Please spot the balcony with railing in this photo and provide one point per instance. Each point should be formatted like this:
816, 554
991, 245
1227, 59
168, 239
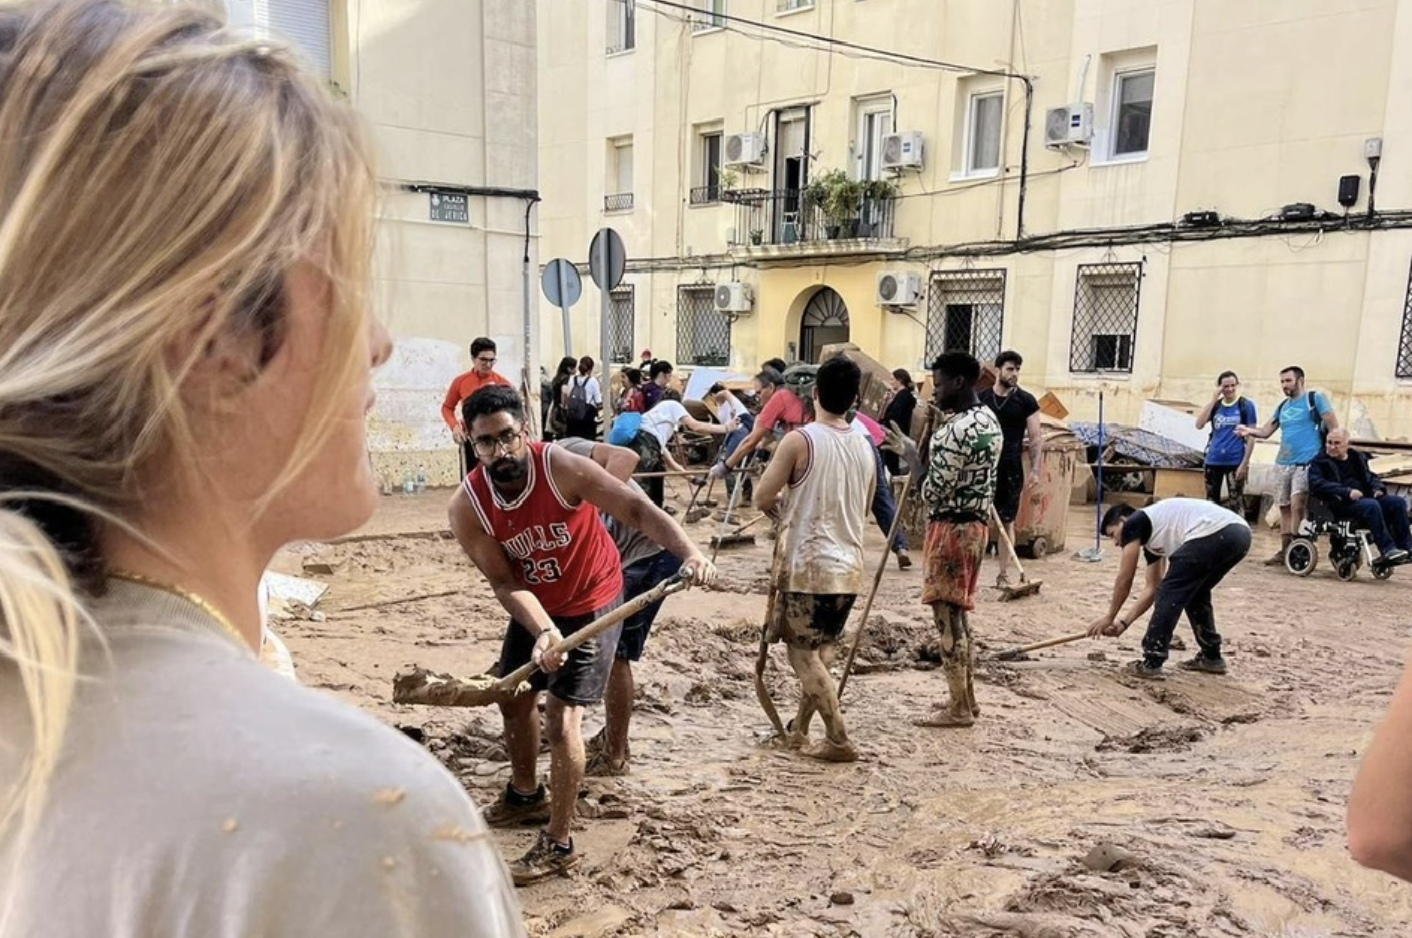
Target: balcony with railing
618, 202
789, 223
704, 195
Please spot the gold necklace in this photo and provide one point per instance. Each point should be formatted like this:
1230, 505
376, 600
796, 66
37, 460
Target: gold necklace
197, 601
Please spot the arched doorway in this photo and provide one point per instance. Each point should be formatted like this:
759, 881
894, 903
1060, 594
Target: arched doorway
825, 322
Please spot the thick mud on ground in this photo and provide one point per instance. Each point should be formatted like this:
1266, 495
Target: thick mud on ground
1083, 802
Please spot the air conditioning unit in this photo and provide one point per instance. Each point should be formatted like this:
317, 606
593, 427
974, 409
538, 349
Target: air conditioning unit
733, 297
902, 151
1069, 125
898, 288
744, 150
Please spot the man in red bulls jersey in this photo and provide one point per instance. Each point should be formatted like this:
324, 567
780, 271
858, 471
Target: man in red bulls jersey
527, 516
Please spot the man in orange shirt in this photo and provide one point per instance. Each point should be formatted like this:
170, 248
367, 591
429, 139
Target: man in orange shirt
482, 374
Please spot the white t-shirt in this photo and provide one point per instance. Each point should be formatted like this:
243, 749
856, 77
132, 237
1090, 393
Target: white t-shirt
200, 793
1173, 522
730, 409
591, 389
663, 420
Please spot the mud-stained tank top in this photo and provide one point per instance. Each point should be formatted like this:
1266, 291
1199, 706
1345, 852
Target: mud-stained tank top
826, 513
563, 555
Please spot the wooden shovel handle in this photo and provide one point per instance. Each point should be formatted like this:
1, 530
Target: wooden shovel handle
1047, 643
598, 626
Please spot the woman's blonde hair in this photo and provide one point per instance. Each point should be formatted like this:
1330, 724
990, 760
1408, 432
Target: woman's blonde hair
159, 177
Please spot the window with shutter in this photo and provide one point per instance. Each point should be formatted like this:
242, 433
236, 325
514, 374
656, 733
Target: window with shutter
304, 24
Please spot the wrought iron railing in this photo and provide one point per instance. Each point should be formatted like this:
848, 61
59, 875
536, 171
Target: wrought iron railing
705, 195
789, 216
618, 202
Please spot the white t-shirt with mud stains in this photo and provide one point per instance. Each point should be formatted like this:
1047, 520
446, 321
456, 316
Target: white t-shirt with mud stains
201, 794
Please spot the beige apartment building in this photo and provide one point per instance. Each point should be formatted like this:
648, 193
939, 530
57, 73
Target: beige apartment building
1135, 195
448, 89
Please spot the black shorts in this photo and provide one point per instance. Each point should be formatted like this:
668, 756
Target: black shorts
584, 675
1009, 486
810, 620
638, 579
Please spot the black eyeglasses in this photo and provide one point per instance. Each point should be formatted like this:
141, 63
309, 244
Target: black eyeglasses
510, 441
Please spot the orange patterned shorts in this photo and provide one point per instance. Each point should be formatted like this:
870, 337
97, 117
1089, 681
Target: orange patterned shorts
952, 561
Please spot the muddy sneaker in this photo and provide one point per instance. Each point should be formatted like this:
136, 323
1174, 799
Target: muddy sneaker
1204, 664
1145, 671
1276, 561
903, 561
600, 766
828, 751
513, 808
947, 719
545, 859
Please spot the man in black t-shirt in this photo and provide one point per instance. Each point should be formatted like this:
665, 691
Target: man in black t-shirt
1018, 413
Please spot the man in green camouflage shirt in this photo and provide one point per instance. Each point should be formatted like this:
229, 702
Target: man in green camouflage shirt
958, 491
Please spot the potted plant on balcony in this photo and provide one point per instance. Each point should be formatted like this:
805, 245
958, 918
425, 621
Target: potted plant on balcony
837, 198
726, 181
878, 195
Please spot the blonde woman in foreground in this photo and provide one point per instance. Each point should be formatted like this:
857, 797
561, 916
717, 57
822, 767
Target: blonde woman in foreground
185, 361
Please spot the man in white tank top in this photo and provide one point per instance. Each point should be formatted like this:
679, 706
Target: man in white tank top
818, 566
1190, 545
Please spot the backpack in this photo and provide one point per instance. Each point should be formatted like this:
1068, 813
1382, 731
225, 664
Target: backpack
800, 380
1314, 415
578, 410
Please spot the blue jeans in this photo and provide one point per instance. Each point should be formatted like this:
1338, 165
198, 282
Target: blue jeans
731, 443
884, 508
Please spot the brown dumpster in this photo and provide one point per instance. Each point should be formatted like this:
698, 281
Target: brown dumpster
1044, 509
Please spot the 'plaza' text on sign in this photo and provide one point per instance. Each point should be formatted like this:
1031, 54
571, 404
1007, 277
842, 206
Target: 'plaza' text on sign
450, 207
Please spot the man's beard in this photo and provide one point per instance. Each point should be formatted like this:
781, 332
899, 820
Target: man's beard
1011, 383
508, 469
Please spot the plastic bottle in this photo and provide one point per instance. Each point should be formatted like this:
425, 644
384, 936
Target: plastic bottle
421, 479
409, 484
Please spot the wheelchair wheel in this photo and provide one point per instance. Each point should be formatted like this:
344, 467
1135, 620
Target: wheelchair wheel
1347, 570
1302, 556
1381, 571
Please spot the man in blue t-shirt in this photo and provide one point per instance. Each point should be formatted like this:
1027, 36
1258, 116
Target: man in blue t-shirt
1227, 455
1302, 418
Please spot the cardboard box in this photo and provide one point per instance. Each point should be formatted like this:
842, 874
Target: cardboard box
1178, 483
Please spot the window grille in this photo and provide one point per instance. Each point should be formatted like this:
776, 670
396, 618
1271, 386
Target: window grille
965, 313
1105, 317
703, 332
1404, 345
621, 320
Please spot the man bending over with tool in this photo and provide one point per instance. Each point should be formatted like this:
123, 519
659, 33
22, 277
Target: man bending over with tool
818, 565
526, 517
1190, 545
645, 564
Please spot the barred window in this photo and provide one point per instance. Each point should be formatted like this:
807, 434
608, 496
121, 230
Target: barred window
703, 332
1404, 345
621, 321
965, 313
1105, 317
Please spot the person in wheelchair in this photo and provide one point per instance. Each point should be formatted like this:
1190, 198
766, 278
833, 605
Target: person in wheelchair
1341, 477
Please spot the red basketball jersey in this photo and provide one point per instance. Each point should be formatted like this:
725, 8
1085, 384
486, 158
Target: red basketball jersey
564, 556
